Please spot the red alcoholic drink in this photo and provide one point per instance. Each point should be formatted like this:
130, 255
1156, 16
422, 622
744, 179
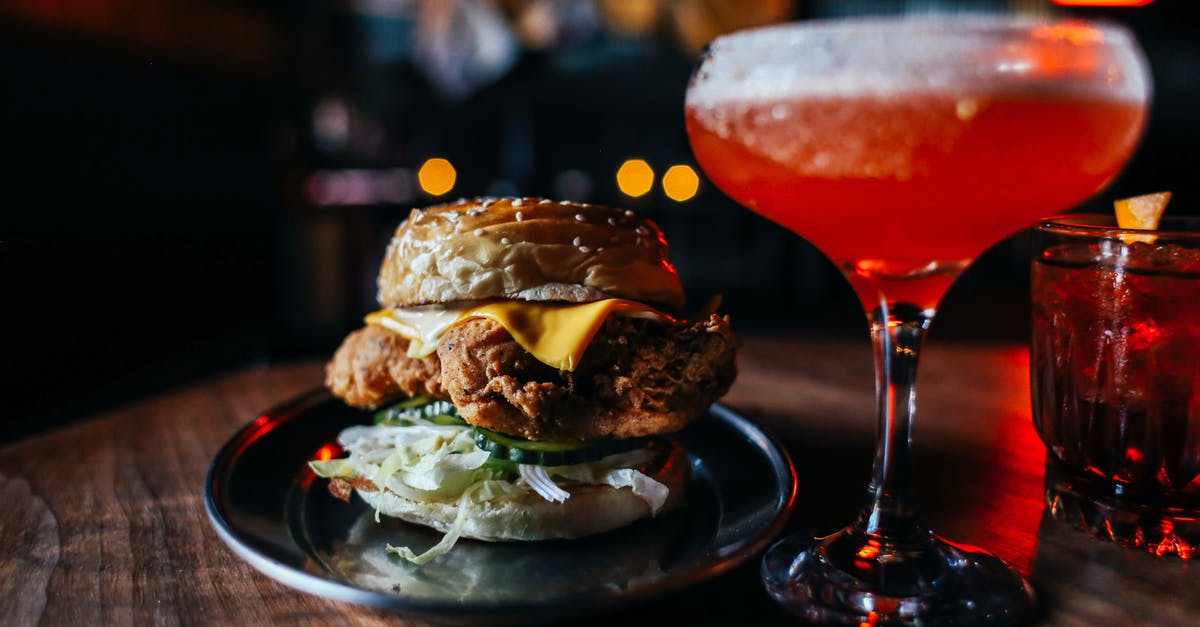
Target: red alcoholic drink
911, 187
1116, 381
903, 148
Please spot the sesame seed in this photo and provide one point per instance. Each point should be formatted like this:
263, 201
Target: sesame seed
417, 218
488, 202
599, 249
478, 232
476, 211
579, 217
505, 241
461, 201
517, 202
544, 201
520, 216
628, 213
576, 241
612, 221
564, 202
584, 249
641, 230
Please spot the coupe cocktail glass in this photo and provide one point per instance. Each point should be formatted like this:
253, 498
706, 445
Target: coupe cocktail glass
903, 148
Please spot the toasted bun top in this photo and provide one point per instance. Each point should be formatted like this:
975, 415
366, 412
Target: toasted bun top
526, 249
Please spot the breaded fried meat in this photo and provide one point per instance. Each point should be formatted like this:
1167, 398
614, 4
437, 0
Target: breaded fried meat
638, 377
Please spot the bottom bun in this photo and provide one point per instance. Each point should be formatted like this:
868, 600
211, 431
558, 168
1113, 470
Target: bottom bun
527, 516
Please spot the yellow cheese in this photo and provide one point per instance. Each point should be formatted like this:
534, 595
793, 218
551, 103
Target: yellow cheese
423, 326
556, 334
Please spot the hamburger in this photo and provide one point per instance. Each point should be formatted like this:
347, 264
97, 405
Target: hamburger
525, 361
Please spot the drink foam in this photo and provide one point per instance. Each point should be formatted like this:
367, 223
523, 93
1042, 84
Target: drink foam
928, 79
883, 57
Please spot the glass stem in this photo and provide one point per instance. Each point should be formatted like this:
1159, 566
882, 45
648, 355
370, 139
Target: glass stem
890, 512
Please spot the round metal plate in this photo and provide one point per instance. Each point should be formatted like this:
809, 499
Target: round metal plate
276, 514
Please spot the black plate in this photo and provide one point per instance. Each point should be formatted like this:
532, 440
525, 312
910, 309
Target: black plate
277, 515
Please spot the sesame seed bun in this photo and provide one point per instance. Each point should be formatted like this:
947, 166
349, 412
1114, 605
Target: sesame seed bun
526, 249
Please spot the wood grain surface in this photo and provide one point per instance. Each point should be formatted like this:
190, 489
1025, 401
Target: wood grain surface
104, 522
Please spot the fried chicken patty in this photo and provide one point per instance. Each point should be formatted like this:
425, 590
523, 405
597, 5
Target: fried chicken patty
372, 368
638, 377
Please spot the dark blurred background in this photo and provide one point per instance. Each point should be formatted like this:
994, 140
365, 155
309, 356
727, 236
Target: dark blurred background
192, 186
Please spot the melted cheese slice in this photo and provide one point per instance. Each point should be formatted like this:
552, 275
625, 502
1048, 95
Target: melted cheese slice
556, 334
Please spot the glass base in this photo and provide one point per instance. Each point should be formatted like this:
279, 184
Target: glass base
1160, 528
940, 584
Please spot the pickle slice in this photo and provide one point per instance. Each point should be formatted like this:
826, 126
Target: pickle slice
403, 414
542, 453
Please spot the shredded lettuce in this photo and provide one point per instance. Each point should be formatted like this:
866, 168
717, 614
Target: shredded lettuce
448, 541
645, 488
385, 472
332, 468
474, 495
433, 462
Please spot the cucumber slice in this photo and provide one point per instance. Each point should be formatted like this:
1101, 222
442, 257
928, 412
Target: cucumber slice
387, 417
522, 451
405, 413
415, 401
530, 445
447, 420
502, 468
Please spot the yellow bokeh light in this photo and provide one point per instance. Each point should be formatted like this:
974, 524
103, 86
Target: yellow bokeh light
680, 183
436, 176
635, 177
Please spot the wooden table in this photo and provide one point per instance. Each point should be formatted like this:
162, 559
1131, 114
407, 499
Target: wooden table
104, 521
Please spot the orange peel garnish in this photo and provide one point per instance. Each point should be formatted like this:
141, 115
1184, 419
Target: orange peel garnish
1142, 213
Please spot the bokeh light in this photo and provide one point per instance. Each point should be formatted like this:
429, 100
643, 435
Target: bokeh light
436, 176
680, 183
359, 187
635, 177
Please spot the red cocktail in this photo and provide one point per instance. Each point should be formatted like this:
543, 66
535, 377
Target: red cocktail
903, 149
887, 185
1116, 380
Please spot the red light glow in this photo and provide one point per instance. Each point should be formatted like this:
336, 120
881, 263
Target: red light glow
1017, 498
326, 453
869, 550
1075, 33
